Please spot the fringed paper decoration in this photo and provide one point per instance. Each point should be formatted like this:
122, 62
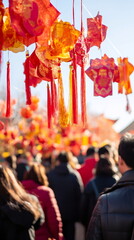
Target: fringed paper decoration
8, 100
27, 84
125, 70
63, 114
10, 39
96, 31
102, 71
63, 38
49, 112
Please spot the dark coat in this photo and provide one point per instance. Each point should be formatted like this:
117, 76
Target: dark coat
52, 227
89, 196
67, 186
17, 223
113, 216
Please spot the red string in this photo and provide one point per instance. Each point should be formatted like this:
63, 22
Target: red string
81, 17
56, 97
49, 113
1, 32
83, 95
8, 100
73, 14
27, 86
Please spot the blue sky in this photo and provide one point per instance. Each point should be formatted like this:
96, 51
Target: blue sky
118, 15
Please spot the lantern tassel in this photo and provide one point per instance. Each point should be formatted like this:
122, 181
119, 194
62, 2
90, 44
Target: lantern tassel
8, 100
63, 114
53, 95
83, 95
27, 86
56, 98
70, 94
74, 92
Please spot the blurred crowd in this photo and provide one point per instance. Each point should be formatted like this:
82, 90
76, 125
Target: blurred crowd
66, 185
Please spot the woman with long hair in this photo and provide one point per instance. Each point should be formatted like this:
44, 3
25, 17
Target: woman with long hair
20, 212
36, 183
104, 178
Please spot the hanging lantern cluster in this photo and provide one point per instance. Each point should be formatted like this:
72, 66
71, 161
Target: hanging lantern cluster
26, 22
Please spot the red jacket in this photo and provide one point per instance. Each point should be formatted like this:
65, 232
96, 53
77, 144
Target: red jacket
86, 170
52, 228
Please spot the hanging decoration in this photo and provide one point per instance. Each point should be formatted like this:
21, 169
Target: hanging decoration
31, 18
62, 40
125, 70
96, 31
26, 22
63, 114
102, 71
27, 82
10, 39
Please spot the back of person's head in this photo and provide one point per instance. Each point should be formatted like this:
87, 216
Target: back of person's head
63, 157
91, 151
37, 173
11, 161
126, 149
104, 151
104, 167
12, 191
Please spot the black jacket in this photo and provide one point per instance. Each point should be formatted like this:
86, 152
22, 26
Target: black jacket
17, 223
113, 216
67, 186
90, 196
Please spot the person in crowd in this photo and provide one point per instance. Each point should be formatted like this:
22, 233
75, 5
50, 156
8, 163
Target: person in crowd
113, 215
36, 183
107, 151
22, 166
104, 178
20, 212
73, 160
67, 186
81, 157
86, 169
10, 162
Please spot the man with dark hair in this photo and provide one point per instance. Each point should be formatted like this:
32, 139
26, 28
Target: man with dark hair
113, 216
86, 169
